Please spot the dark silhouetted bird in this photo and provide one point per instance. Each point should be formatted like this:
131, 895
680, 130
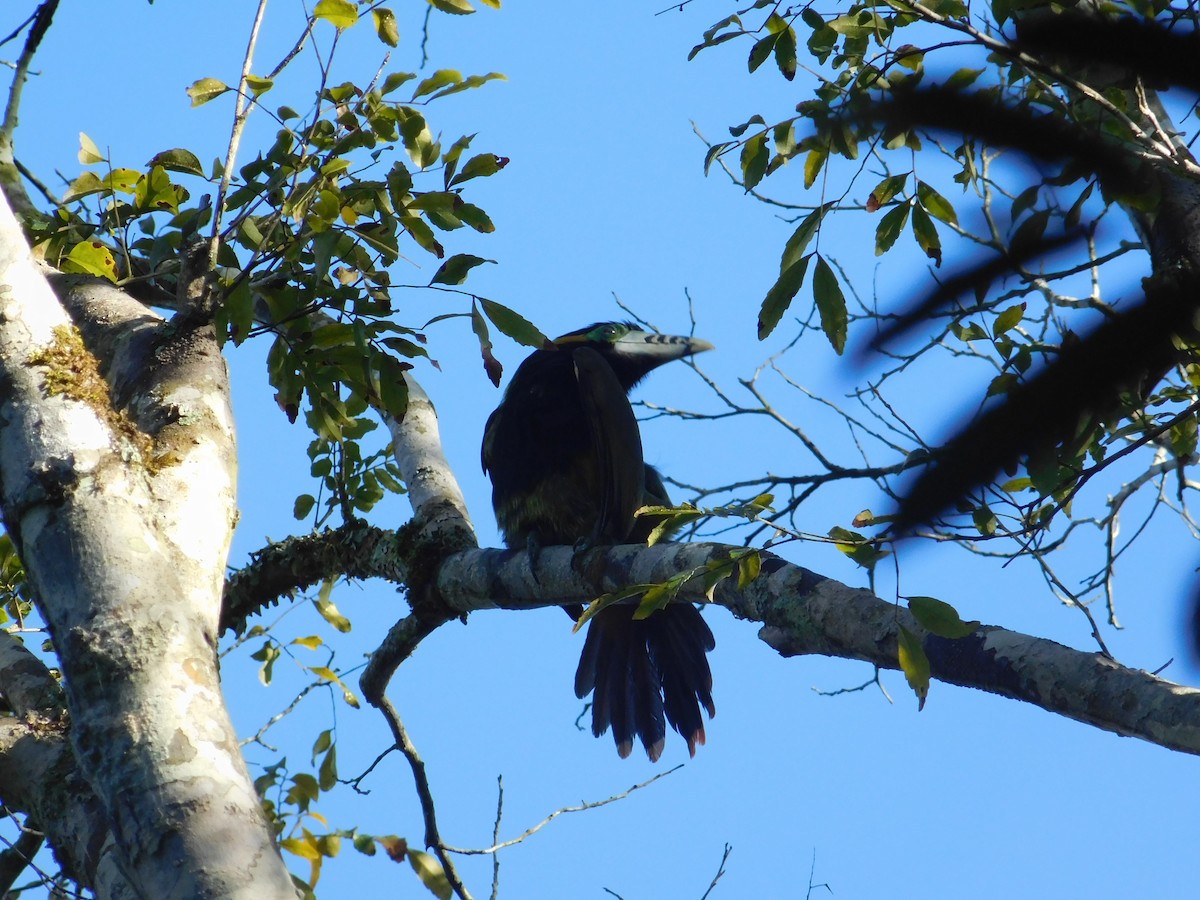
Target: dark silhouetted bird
564, 454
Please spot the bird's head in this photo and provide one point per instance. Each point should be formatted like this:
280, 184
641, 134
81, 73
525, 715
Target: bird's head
631, 352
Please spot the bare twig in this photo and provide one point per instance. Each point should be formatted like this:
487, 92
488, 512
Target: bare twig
240, 113
720, 871
558, 812
433, 839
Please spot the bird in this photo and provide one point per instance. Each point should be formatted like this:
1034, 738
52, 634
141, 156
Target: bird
564, 454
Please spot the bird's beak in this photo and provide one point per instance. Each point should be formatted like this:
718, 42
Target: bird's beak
662, 347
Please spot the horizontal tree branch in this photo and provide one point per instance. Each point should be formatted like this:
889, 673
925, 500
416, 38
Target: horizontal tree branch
804, 613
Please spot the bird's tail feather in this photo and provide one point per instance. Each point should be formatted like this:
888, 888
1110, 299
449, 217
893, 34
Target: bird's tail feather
645, 673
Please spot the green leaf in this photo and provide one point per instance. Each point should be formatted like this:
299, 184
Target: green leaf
339, 13
420, 232
856, 546
491, 365
780, 296
85, 184
749, 567
89, 153
785, 53
963, 78
798, 242
480, 166
303, 506
940, 617
914, 663
393, 386
935, 204
428, 869
813, 163
513, 324
1008, 319
178, 160
926, 235
91, 258
885, 191
454, 7
471, 81
985, 520
259, 85
395, 80
385, 26
327, 773
206, 89
455, 269
438, 79
761, 50
475, 217
754, 160
831, 304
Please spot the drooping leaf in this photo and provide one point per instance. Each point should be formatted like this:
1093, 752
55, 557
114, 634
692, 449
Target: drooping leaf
385, 26
427, 867
926, 235
393, 386
780, 296
935, 204
891, 227
831, 304
491, 365
754, 160
914, 663
329, 612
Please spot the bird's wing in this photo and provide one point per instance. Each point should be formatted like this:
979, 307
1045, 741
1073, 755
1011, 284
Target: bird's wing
616, 443
489, 439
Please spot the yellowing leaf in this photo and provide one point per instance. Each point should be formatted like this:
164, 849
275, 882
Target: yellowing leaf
340, 13
89, 153
92, 258
327, 609
915, 664
431, 873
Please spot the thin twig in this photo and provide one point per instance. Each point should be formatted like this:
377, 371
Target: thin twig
496, 836
558, 812
433, 839
240, 114
720, 871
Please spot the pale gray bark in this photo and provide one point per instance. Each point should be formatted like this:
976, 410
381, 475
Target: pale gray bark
118, 493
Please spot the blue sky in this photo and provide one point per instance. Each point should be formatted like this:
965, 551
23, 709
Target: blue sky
605, 194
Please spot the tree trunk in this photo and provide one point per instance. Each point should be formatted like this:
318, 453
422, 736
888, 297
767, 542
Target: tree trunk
117, 475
